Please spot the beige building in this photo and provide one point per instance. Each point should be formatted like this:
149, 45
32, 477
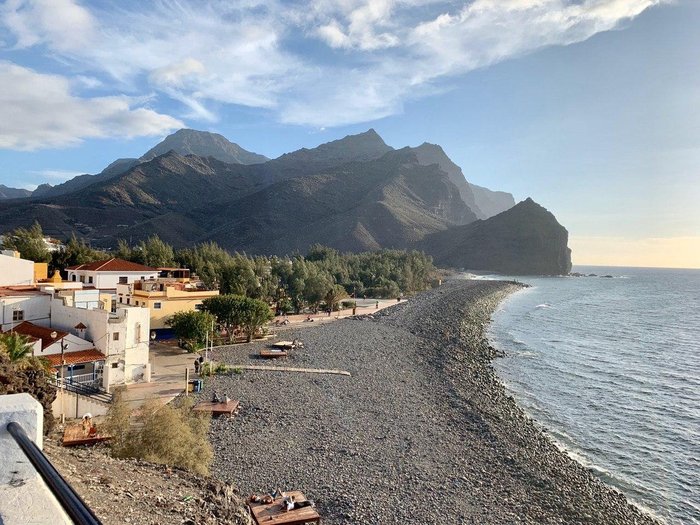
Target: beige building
164, 297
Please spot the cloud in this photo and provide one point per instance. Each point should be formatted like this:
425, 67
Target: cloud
62, 25
39, 111
175, 74
361, 25
322, 63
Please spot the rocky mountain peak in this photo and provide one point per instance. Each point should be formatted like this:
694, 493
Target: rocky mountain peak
204, 144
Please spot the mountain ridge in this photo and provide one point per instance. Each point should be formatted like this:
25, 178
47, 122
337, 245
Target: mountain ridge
356, 193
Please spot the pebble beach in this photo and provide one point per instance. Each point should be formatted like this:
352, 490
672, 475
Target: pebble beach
421, 431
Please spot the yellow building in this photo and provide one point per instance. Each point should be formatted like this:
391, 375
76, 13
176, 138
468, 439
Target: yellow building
163, 297
41, 271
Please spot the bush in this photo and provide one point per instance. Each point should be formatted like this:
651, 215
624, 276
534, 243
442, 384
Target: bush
221, 368
348, 304
165, 434
211, 368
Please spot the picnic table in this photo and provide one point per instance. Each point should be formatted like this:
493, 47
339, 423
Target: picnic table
274, 514
270, 354
76, 434
218, 409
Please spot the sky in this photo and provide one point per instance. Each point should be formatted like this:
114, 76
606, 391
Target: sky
590, 107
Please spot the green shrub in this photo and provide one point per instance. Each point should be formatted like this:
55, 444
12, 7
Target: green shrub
221, 368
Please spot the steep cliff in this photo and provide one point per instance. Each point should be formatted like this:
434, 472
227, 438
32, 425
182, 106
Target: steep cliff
524, 240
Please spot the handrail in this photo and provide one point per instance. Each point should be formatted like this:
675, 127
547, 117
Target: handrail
92, 391
71, 502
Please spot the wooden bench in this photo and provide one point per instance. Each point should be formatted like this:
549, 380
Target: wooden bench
284, 345
274, 514
271, 354
218, 409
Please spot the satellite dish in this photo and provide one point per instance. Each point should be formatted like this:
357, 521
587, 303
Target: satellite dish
153, 336
54, 334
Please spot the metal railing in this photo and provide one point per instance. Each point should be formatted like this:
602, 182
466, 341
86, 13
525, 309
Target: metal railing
84, 389
71, 502
83, 378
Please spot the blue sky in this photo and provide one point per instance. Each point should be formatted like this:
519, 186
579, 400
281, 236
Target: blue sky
591, 107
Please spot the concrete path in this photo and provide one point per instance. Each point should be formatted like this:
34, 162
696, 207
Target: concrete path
168, 364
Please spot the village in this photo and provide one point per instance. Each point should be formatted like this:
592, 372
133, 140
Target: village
114, 335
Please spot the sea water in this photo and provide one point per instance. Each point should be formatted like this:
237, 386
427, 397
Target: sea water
610, 367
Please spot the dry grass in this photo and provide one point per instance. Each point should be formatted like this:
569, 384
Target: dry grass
161, 433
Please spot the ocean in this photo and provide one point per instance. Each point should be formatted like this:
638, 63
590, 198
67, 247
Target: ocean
610, 367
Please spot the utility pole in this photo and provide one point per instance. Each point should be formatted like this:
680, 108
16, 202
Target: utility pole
62, 379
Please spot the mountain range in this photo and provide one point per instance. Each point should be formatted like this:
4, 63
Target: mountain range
356, 193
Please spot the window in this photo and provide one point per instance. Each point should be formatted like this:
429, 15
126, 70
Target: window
121, 299
90, 280
156, 306
78, 367
82, 278
123, 280
115, 365
136, 303
74, 278
18, 315
115, 336
128, 300
137, 334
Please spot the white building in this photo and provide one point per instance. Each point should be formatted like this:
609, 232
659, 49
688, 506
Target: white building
15, 271
121, 336
23, 303
74, 358
105, 275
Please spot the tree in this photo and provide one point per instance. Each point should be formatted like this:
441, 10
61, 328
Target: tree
124, 251
254, 313
192, 327
226, 309
237, 311
239, 278
316, 287
29, 375
335, 294
155, 253
29, 242
16, 346
75, 252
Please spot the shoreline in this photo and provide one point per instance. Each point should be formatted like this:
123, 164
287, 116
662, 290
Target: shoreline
423, 432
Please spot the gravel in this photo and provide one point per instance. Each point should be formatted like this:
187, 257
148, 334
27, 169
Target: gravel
422, 432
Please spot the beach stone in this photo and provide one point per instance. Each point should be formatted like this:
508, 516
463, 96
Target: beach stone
421, 432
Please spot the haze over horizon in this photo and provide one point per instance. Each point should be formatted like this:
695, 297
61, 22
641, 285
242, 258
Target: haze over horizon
589, 107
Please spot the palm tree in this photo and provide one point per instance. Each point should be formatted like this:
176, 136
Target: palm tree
334, 295
16, 346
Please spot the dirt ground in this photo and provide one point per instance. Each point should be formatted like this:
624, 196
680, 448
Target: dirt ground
129, 491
